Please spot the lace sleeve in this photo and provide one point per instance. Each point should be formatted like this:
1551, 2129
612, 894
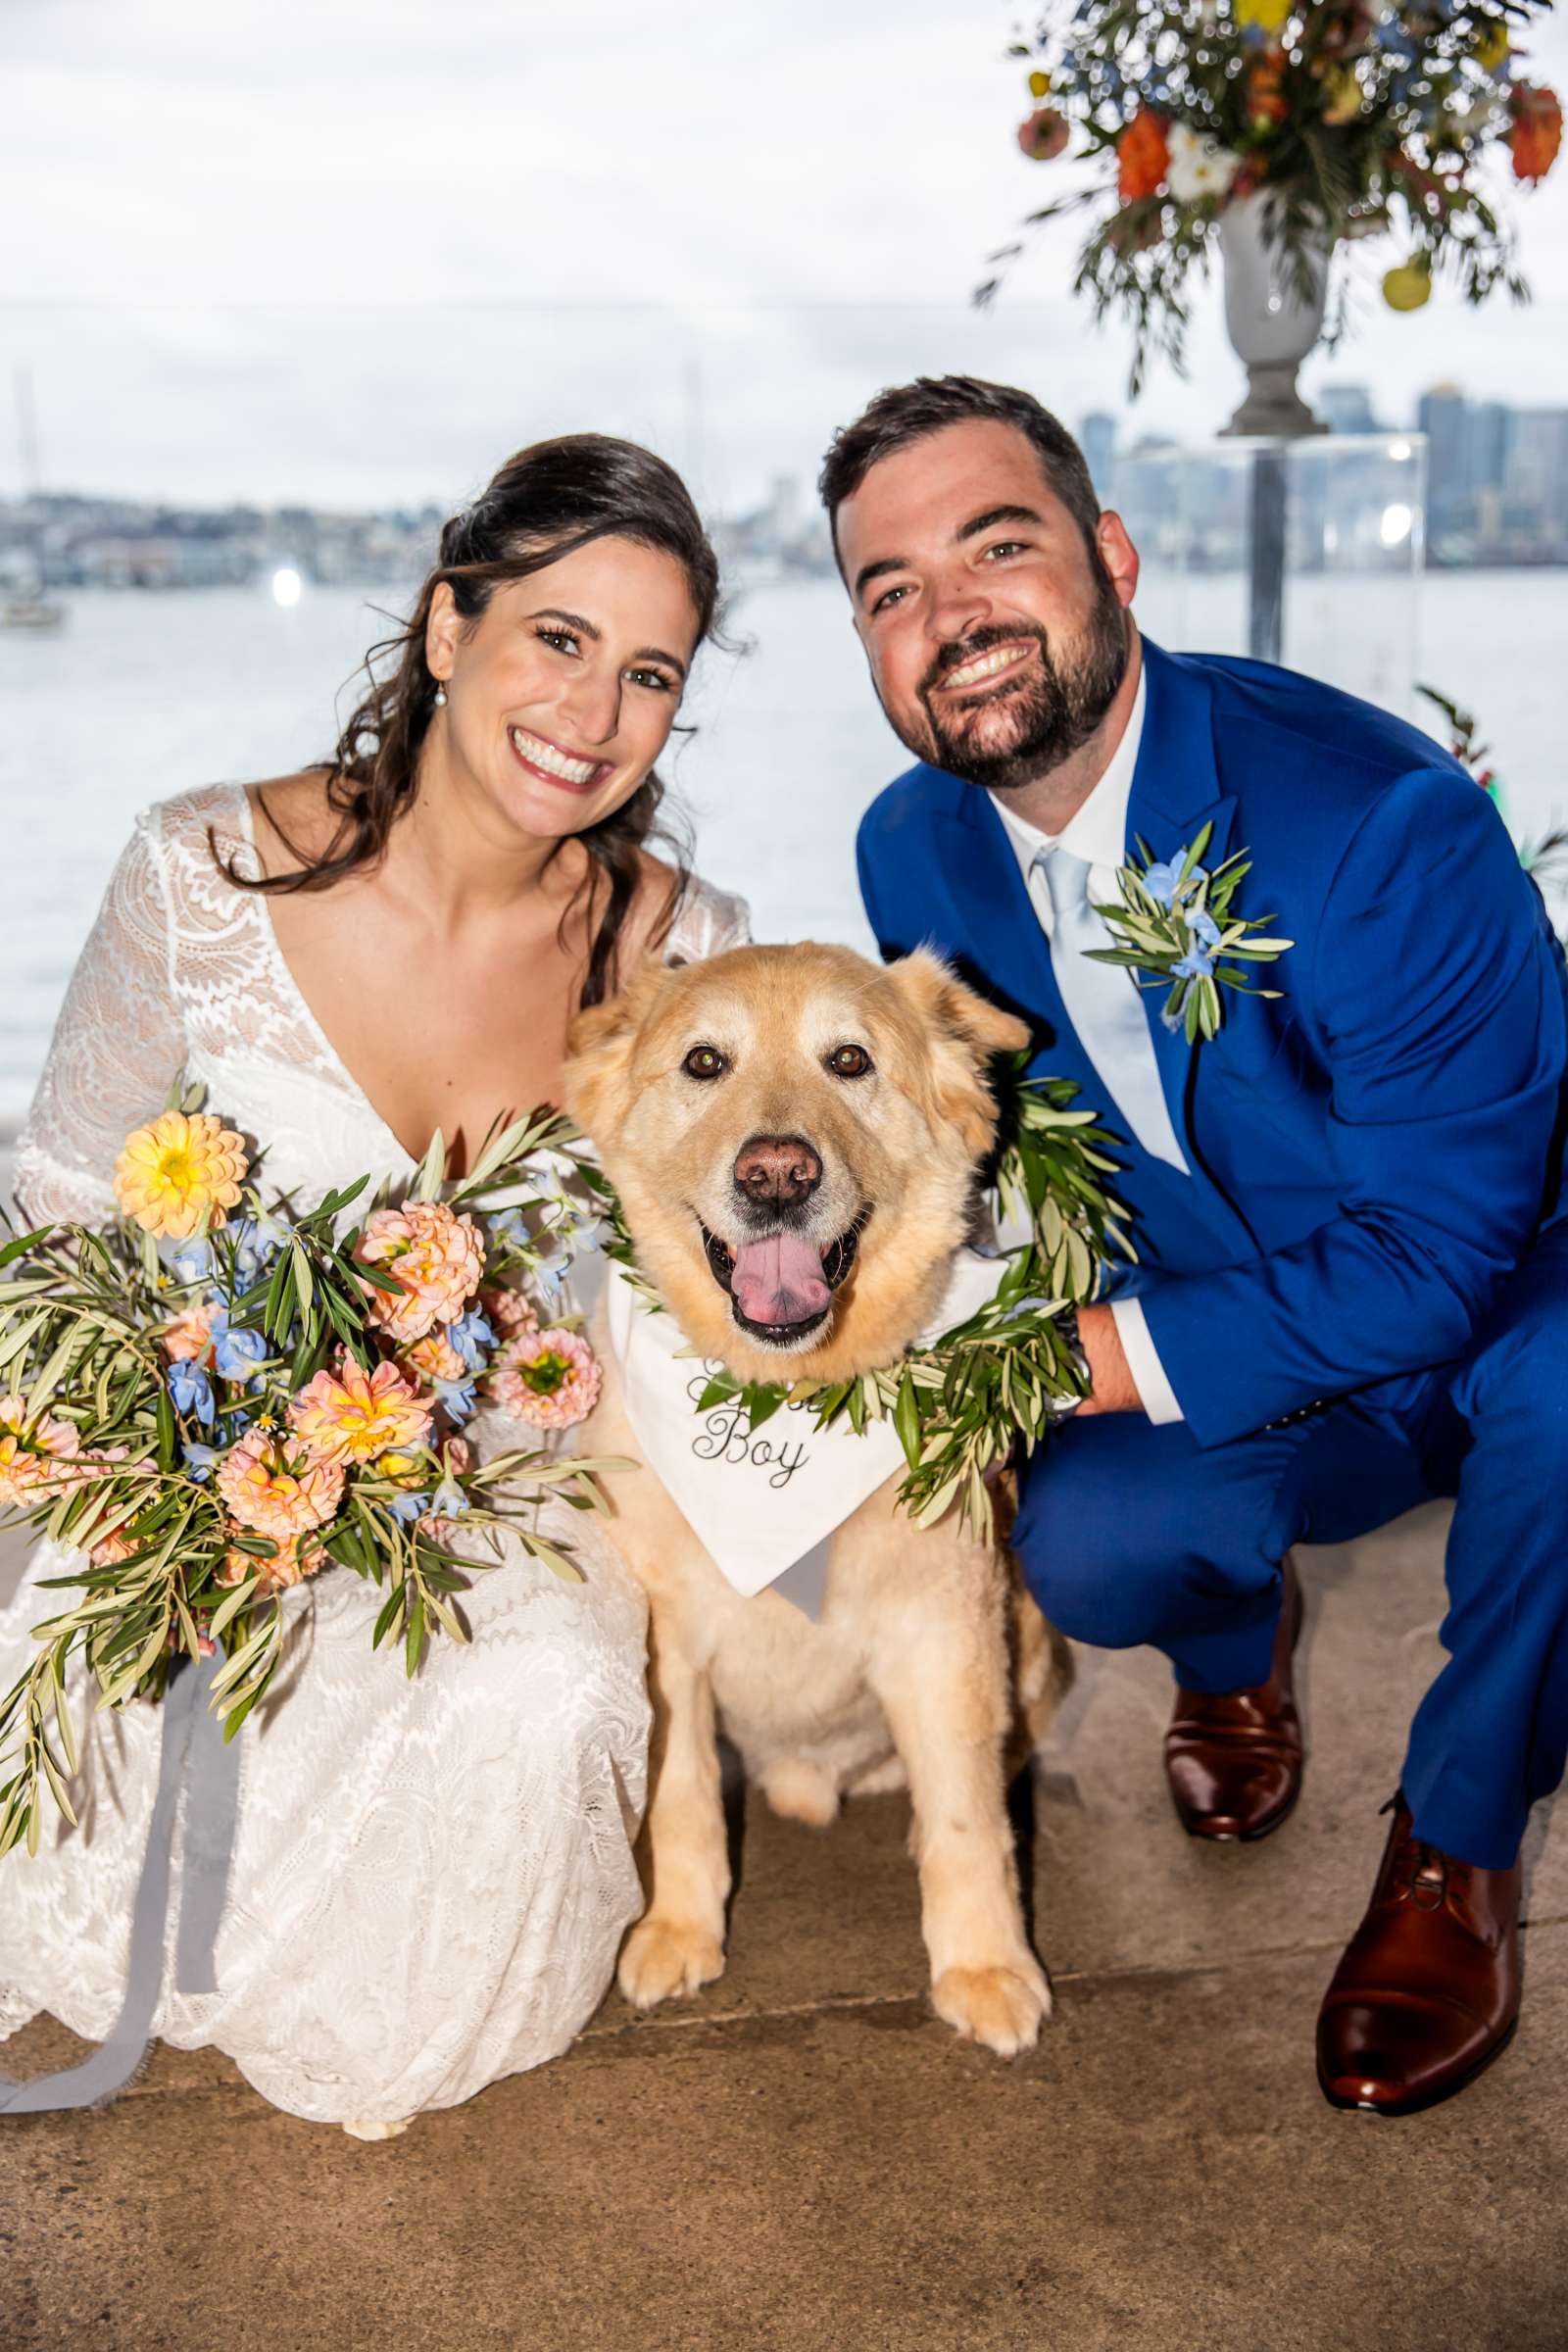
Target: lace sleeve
709, 923
116, 1048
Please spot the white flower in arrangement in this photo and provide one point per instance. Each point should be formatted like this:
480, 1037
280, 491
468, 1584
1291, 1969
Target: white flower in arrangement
1200, 165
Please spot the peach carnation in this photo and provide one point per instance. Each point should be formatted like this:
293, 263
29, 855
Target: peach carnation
551, 1378
352, 1415
278, 1491
436, 1257
295, 1558
29, 1451
187, 1337
507, 1313
178, 1171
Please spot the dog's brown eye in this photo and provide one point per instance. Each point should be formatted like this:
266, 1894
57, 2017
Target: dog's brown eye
849, 1061
704, 1062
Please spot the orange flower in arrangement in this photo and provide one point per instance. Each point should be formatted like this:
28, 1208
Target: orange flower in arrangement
277, 1489
507, 1313
187, 1337
435, 1258
1142, 157
352, 1415
1266, 101
1537, 133
179, 1170
295, 1558
30, 1452
434, 1357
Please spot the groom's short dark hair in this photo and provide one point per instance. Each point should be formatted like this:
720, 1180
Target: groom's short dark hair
906, 413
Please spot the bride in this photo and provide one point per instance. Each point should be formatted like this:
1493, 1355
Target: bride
430, 1879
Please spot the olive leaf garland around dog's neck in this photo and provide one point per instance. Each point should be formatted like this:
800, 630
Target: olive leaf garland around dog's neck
1005, 1376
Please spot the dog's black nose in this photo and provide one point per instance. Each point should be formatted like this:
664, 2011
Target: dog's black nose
778, 1169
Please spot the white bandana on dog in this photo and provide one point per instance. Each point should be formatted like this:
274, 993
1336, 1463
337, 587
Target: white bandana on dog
758, 1501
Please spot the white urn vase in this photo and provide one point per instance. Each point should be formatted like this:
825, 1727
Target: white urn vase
1272, 319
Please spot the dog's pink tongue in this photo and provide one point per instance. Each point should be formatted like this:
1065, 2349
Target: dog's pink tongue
779, 1280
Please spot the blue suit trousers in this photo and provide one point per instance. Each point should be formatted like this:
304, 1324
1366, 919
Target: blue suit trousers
1132, 1534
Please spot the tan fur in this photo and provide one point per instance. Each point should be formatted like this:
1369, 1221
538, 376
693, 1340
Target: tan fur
927, 1653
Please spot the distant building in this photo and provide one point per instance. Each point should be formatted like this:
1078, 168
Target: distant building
1096, 438
1347, 409
1497, 480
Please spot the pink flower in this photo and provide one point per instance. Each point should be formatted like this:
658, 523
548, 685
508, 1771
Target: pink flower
507, 1313
278, 1491
551, 1378
434, 1255
114, 1549
352, 1415
456, 1456
29, 1451
185, 1337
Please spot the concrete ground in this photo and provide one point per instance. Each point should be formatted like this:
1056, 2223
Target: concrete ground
804, 2159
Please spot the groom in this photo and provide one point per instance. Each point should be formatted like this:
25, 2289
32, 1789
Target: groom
1352, 1280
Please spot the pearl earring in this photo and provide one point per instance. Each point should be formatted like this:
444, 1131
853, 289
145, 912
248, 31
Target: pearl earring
440, 694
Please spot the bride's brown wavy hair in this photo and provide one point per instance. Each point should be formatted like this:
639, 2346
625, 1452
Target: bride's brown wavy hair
544, 503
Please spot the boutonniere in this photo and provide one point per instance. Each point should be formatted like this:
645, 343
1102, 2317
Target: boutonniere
1177, 922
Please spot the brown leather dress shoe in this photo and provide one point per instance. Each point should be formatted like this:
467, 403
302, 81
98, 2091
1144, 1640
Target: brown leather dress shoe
1234, 1764
1428, 1992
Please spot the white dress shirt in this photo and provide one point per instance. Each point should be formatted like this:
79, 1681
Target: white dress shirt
1097, 833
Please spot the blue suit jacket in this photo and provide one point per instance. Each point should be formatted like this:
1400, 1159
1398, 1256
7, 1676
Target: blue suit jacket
1371, 1154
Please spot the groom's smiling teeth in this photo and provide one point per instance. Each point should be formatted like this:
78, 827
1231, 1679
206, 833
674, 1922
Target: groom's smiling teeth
986, 666
549, 760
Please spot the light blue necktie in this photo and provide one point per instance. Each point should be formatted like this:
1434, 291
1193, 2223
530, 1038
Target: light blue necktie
1104, 1004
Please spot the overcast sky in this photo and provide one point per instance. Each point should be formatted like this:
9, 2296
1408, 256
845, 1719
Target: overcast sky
354, 251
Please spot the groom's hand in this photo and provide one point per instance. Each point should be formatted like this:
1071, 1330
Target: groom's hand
1111, 1383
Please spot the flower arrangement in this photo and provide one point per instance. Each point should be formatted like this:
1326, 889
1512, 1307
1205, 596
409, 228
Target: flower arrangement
208, 1407
1005, 1376
1359, 118
1177, 922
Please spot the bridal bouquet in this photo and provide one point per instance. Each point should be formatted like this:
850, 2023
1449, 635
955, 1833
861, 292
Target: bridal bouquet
212, 1397
1359, 117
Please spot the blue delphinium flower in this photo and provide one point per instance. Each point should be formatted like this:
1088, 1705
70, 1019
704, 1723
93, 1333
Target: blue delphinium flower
406, 1508
257, 1241
192, 1392
236, 1353
192, 1262
1162, 879
1203, 927
509, 1225
456, 1396
200, 1458
449, 1501
1196, 965
471, 1336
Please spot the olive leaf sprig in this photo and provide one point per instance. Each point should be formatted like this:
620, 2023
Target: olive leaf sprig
1177, 922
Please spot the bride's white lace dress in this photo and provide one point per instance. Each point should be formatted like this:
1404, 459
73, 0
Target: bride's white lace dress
430, 1877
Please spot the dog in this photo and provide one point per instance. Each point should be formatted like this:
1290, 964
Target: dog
795, 1134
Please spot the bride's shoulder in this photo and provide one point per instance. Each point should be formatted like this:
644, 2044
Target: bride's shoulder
684, 924
247, 820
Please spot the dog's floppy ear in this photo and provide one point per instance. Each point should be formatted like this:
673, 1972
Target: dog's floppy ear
963, 1033
599, 1047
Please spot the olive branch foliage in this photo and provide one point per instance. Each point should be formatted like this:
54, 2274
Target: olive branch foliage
1001, 1379
80, 1310
1162, 930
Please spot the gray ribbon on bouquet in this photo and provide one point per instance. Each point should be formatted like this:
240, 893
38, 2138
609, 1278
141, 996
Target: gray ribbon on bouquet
194, 1752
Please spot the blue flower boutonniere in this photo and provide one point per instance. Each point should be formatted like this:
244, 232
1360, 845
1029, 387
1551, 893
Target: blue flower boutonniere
1176, 922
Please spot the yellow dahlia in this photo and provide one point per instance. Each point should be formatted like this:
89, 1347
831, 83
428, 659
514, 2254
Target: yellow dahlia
178, 1170
435, 1258
277, 1489
352, 1415
29, 1450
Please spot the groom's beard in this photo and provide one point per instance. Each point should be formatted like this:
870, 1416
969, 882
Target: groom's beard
1014, 733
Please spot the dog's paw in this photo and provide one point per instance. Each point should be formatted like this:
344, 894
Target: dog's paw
800, 1792
1002, 2007
357, 2130
668, 1959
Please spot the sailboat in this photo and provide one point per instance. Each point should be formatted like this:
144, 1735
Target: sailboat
29, 608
